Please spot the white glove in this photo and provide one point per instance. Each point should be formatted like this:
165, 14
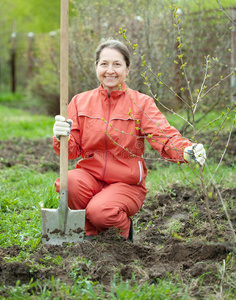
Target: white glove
195, 153
61, 127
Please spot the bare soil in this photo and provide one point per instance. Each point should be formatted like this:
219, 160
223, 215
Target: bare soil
172, 235
41, 156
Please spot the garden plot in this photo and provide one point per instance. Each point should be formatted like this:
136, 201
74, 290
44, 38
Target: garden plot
172, 238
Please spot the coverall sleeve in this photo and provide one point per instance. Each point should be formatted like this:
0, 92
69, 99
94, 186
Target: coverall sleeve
161, 136
74, 149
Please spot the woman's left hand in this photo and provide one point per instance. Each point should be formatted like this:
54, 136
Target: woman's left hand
195, 153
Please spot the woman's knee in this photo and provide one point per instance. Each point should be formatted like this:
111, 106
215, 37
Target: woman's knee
81, 188
102, 216
73, 182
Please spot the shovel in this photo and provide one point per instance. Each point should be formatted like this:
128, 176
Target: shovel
63, 225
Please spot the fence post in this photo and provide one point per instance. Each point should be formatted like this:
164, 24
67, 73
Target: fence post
52, 36
13, 62
233, 57
30, 54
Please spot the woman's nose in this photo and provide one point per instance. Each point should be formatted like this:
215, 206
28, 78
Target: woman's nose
110, 69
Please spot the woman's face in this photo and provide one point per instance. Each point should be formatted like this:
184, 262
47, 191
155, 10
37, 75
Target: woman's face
111, 69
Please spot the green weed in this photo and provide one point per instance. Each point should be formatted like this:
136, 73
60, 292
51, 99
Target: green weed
175, 227
83, 289
48, 260
76, 269
19, 291
164, 289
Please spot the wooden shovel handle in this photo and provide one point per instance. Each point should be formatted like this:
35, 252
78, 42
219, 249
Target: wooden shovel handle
64, 70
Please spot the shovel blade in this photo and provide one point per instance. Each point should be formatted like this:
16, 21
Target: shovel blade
52, 233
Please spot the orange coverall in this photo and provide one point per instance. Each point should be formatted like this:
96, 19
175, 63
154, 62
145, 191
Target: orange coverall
108, 131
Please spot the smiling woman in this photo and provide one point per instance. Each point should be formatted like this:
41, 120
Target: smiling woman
107, 127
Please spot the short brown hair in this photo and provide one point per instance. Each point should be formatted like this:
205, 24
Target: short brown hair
113, 44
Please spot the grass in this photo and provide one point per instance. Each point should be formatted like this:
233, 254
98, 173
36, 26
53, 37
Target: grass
10, 98
21, 100
23, 191
174, 174
84, 289
16, 123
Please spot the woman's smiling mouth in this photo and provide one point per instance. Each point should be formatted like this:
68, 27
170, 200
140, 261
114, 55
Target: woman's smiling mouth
110, 77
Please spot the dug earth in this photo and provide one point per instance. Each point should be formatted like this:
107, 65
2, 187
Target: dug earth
172, 236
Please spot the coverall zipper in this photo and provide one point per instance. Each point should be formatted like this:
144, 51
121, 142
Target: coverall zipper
106, 148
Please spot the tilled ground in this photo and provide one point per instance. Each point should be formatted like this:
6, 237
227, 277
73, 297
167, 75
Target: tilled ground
41, 155
172, 236
169, 239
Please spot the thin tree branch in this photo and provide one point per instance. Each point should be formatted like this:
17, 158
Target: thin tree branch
225, 210
221, 8
226, 146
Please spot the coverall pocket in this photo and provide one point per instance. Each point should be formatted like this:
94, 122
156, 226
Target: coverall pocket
125, 133
94, 125
93, 132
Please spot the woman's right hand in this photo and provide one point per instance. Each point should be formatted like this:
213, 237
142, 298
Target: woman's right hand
61, 127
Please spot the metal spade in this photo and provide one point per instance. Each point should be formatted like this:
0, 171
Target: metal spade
63, 224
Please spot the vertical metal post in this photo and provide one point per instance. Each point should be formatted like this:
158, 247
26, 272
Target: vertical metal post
13, 62
233, 58
30, 54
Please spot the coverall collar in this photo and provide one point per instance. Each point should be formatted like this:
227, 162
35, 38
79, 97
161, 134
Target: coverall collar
113, 94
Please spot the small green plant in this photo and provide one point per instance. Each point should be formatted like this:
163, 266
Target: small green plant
195, 214
175, 227
140, 227
227, 276
20, 291
163, 289
76, 270
50, 197
58, 260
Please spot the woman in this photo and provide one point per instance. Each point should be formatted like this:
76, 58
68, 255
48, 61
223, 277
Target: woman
109, 125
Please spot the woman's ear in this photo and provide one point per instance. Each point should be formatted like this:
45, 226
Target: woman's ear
95, 69
127, 71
